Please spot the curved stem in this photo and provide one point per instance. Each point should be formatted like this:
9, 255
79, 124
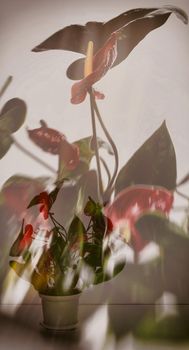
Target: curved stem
92, 104
31, 155
54, 221
183, 181
57, 223
5, 85
110, 185
106, 168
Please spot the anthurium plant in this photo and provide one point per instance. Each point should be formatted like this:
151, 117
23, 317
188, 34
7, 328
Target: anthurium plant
69, 229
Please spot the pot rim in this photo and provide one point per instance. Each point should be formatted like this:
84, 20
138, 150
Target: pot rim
60, 297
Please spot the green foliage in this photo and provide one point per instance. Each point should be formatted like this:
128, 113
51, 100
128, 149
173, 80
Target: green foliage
5, 143
172, 327
154, 163
12, 116
86, 153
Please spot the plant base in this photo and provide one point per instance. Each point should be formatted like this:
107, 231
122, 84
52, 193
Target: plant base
60, 313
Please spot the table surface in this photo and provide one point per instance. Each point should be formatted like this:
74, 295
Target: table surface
101, 327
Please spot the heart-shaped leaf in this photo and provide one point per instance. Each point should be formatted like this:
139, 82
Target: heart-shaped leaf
76, 232
12, 115
5, 143
48, 139
169, 235
154, 163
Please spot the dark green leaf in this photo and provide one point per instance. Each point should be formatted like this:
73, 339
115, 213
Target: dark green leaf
154, 227
13, 115
57, 247
92, 254
76, 231
92, 208
154, 163
53, 194
118, 268
5, 143
34, 201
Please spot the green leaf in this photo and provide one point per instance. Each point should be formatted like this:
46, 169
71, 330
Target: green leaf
5, 143
86, 154
92, 208
23, 270
76, 231
13, 115
57, 247
170, 328
158, 228
154, 163
36, 200
118, 268
53, 194
92, 254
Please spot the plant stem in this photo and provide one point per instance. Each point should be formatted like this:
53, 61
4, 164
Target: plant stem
31, 155
55, 222
5, 85
109, 189
183, 181
100, 186
106, 168
182, 195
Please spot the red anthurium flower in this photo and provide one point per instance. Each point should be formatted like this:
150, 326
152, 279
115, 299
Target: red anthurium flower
45, 204
52, 141
47, 139
27, 237
133, 202
135, 25
102, 62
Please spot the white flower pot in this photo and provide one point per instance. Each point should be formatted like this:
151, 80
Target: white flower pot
60, 312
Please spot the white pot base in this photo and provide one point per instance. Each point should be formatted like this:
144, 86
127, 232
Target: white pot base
59, 330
